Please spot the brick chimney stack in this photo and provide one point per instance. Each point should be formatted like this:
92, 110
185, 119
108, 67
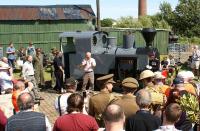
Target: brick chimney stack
142, 9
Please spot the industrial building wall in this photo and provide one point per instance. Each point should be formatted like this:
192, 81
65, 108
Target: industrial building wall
43, 34
160, 41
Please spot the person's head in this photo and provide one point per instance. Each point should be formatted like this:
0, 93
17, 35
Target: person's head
30, 43
171, 56
88, 55
196, 47
75, 103
29, 58
4, 59
183, 75
143, 98
71, 84
146, 76
38, 50
158, 78
172, 113
53, 50
130, 85
60, 54
106, 82
21, 49
11, 44
25, 101
19, 86
178, 83
113, 114
152, 56
165, 58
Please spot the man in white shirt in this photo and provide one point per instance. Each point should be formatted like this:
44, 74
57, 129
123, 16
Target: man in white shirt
28, 75
171, 115
88, 65
5, 75
61, 101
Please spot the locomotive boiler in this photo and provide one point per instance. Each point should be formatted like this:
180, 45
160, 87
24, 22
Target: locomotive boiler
124, 61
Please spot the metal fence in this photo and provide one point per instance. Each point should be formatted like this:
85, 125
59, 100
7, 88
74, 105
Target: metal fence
181, 52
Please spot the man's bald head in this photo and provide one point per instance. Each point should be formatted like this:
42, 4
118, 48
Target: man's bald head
143, 98
88, 55
25, 101
19, 85
113, 113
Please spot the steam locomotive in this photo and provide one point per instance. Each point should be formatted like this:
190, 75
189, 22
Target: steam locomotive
123, 61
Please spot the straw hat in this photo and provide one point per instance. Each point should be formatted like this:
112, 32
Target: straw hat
146, 74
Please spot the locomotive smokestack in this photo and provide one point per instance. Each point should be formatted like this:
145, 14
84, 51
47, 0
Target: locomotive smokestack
148, 34
142, 8
98, 15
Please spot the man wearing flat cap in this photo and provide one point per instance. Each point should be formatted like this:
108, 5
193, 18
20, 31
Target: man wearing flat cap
61, 101
128, 101
98, 102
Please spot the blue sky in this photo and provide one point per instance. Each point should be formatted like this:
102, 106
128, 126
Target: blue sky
109, 8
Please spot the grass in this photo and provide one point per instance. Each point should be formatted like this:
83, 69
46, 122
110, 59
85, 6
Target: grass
46, 71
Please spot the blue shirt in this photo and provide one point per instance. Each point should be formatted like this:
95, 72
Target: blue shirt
31, 50
12, 55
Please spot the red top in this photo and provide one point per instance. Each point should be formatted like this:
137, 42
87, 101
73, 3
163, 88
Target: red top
165, 73
15, 95
3, 121
75, 122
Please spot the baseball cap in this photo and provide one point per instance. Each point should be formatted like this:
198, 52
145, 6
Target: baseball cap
178, 80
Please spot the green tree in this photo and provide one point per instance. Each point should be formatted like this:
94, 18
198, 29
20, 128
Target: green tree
146, 21
108, 22
143, 22
187, 18
166, 12
128, 22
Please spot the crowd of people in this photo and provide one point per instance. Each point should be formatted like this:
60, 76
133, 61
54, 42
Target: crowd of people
147, 103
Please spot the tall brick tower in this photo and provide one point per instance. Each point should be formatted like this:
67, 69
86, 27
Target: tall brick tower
142, 8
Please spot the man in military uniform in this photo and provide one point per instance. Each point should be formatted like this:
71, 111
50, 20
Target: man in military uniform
50, 62
98, 102
147, 79
38, 66
127, 101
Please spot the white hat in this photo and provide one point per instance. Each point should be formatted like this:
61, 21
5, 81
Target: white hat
190, 74
182, 74
158, 75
